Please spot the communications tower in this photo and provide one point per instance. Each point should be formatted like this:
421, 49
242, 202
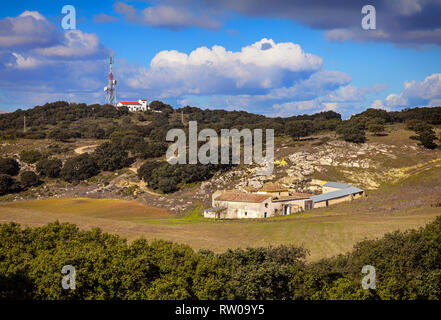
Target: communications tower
110, 89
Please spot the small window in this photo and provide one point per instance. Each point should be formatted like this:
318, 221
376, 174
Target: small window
246, 213
266, 205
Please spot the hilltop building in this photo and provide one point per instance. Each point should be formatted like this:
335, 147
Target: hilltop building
141, 105
273, 200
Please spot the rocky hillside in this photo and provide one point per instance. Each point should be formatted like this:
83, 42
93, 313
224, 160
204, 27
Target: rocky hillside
300, 165
379, 161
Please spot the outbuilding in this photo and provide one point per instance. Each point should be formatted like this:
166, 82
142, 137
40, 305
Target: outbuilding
340, 195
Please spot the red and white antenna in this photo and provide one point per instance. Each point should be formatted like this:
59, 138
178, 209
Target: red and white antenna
110, 89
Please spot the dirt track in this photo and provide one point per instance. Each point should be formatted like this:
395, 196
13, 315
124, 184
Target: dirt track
85, 149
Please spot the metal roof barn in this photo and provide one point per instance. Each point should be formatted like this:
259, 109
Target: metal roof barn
336, 194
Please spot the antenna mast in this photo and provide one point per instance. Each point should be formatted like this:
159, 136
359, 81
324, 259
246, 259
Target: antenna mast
110, 89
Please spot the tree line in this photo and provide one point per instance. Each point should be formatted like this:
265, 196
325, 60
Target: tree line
63, 121
407, 264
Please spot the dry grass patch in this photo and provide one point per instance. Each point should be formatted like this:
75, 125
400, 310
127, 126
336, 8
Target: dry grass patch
92, 208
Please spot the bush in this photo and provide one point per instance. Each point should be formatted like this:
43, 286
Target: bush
145, 171
427, 139
351, 132
110, 157
31, 156
375, 128
79, 168
49, 167
29, 179
374, 115
59, 135
8, 184
417, 125
160, 176
150, 150
299, 129
9, 166
425, 132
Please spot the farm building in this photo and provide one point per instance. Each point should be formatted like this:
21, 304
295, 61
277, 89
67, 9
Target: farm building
237, 205
293, 203
335, 193
273, 200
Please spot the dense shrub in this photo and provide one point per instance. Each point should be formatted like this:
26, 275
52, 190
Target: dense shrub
427, 138
417, 125
49, 168
328, 125
8, 184
373, 116
145, 171
167, 178
375, 128
31, 156
425, 132
9, 166
60, 134
299, 129
79, 168
110, 156
150, 150
351, 131
29, 179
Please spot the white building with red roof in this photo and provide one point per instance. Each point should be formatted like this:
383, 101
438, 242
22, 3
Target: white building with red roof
141, 105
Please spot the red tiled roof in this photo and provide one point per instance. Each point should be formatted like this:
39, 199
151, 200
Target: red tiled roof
129, 102
242, 197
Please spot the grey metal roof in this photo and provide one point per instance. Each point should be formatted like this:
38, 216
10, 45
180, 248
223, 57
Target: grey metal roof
337, 185
335, 194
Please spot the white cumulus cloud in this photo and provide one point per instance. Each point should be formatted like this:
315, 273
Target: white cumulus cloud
415, 94
255, 68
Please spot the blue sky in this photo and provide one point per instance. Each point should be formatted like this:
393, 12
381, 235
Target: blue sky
277, 58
